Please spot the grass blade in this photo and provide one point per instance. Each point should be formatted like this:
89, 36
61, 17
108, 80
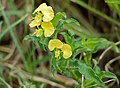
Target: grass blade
83, 4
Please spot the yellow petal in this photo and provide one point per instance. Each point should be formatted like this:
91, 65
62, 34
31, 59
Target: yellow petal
67, 51
38, 17
41, 7
47, 11
55, 43
48, 32
48, 14
38, 32
57, 53
67, 54
34, 23
48, 28
66, 47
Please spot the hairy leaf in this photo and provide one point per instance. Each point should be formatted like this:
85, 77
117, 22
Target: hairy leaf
58, 16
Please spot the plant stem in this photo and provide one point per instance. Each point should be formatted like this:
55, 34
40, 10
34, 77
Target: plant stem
103, 54
82, 75
82, 81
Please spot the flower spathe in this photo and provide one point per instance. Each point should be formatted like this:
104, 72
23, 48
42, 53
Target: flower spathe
65, 48
43, 15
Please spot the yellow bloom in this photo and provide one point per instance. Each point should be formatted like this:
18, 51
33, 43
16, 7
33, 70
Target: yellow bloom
36, 20
55, 43
38, 17
47, 11
67, 51
43, 15
41, 7
65, 48
38, 32
48, 28
48, 14
34, 23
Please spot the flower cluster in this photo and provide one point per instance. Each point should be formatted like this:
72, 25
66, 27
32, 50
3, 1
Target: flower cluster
60, 47
42, 21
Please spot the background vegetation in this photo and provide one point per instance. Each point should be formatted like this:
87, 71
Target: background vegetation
25, 66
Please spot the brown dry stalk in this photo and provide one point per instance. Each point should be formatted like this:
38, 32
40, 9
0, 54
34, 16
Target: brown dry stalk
24, 74
103, 54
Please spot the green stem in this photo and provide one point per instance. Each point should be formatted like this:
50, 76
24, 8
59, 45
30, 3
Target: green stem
5, 83
87, 58
12, 26
14, 37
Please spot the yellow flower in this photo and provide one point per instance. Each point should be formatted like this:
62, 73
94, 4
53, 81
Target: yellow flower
43, 15
67, 51
38, 32
65, 48
55, 43
37, 20
34, 23
48, 14
41, 7
38, 17
48, 28
47, 11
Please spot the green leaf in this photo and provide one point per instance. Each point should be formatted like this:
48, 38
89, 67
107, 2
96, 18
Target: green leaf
105, 74
0, 26
71, 32
89, 73
78, 86
55, 65
63, 22
58, 16
42, 85
67, 38
94, 44
115, 48
3, 83
113, 1
60, 24
96, 68
90, 45
31, 37
78, 51
71, 20
1, 70
41, 41
88, 57
89, 83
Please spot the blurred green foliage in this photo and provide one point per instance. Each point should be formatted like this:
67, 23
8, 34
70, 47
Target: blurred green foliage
78, 9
